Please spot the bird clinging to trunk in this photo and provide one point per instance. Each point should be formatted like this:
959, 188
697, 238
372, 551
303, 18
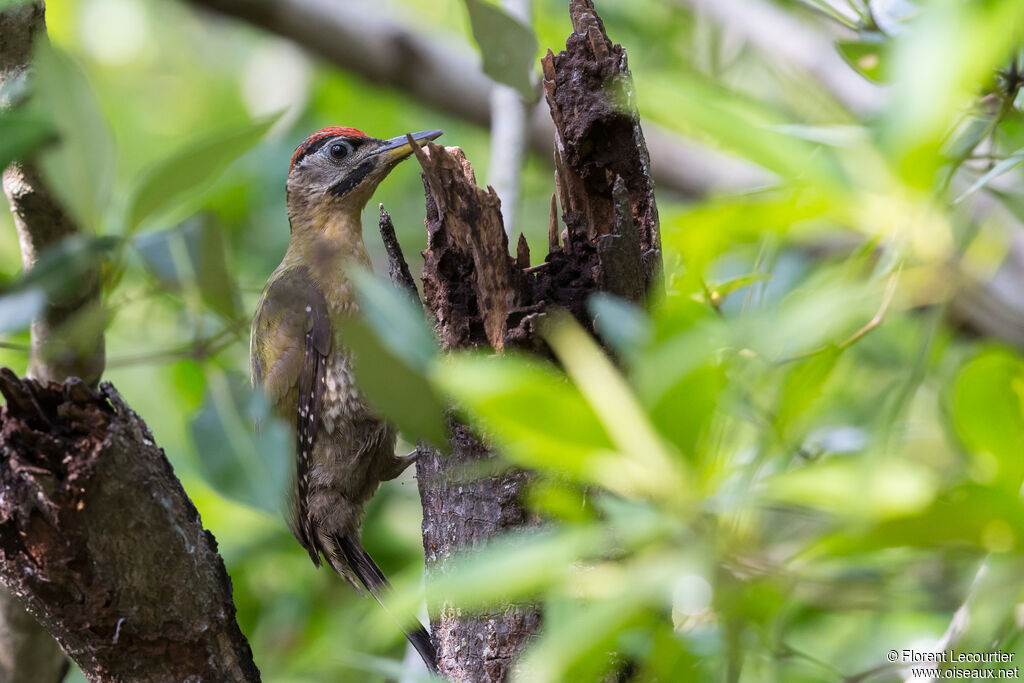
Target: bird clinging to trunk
343, 450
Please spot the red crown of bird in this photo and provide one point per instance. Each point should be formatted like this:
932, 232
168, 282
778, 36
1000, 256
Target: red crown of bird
314, 141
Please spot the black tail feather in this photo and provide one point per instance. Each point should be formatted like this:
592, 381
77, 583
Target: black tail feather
376, 583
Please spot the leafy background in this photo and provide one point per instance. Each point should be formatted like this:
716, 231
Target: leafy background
769, 486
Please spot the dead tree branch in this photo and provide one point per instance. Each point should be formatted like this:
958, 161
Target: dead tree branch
481, 297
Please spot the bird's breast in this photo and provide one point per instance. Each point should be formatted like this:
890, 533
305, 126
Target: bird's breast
341, 400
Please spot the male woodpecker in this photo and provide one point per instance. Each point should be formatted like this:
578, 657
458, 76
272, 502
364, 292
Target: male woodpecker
343, 449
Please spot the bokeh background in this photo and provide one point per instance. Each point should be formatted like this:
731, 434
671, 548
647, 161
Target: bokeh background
831, 387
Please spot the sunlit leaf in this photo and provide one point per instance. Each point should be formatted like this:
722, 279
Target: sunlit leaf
988, 412
851, 488
865, 55
508, 47
949, 49
621, 414
708, 229
969, 515
531, 410
190, 170
744, 126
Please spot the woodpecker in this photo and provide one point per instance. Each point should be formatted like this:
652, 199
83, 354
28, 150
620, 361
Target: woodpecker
298, 357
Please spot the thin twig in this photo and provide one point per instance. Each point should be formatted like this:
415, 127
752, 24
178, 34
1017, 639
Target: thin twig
198, 350
876, 320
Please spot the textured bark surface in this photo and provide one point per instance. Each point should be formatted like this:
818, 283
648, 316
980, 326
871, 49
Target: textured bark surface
102, 544
602, 167
481, 297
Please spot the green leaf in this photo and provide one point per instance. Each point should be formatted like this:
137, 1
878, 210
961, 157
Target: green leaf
396, 320
988, 415
396, 389
192, 258
191, 169
508, 47
864, 55
80, 169
948, 53
538, 418
736, 122
802, 388
241, 465
969, 514
1014, 203
684, 413
997, 170
857, 488
21, 134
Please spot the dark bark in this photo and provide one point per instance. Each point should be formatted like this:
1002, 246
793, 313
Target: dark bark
102, 544
398, 269
481, 297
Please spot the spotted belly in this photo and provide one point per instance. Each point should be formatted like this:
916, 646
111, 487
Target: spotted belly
351, 451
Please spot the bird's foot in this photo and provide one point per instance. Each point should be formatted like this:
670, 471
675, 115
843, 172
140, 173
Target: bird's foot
399, 463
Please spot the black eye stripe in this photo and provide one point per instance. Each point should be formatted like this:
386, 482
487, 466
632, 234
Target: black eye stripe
349, 182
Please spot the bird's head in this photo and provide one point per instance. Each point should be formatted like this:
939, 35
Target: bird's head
337, 169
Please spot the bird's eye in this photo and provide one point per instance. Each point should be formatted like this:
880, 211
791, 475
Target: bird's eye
339, 150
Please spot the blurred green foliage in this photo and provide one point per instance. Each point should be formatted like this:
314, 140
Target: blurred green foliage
796, 462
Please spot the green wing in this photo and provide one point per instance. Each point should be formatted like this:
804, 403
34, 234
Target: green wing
291, 340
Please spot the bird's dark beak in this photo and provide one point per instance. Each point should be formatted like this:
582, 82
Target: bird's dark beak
399, 148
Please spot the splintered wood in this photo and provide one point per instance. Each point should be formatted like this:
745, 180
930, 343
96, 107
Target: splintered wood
467, 223
601, 159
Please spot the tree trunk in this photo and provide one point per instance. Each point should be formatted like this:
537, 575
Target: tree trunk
102, 544
480, 297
